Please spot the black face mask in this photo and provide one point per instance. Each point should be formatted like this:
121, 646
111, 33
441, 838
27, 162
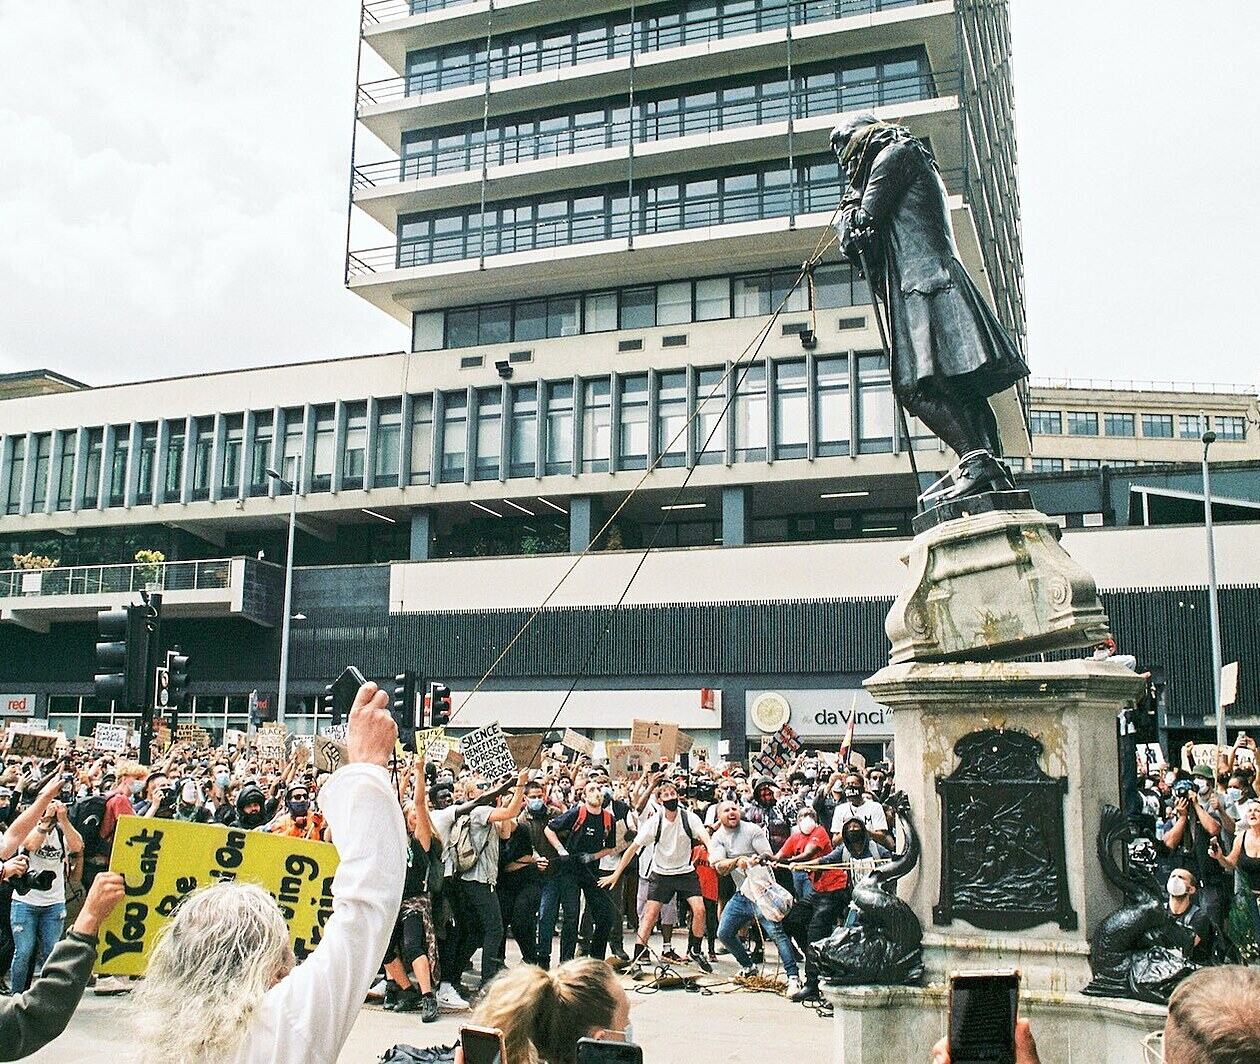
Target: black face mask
855, 841
670, 804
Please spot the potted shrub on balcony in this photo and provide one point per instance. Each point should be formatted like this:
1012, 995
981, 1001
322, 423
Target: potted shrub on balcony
32, 565
149, 568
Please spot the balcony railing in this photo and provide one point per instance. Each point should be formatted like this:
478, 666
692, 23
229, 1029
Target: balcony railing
1114, 385
829, 99
376, 12
651, 37
116, 579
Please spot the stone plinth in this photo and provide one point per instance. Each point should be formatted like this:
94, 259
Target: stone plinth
1048, 734
878, 1024
992, 584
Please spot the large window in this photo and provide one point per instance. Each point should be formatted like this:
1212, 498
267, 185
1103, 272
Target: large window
454, 436
354, 452
294, 445
118, 465
233, 443
632, 446
751, 419
203, 453
1119, 425
260, 455
1157, 426
146, 470
832, 409
523, 451
1191, 426
596, 425
65, 473
173, 475
559, 446
1045, 423
709, 427
388, 443
1082, 423
489, 433
41, 459
325, 447
92, 468
791, 409
876, 417
421, 439
1231, 428
1047, 465
17, 471
671, 418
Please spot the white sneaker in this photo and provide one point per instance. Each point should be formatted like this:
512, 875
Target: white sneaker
793, 985
749, 972
449, 999
377, 993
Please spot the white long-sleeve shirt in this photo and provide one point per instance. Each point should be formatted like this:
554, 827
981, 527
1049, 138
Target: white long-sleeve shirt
307, 1016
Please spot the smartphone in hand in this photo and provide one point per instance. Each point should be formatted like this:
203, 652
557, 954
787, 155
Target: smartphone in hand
482, 1045
345, 688
982, 1010
602, 1051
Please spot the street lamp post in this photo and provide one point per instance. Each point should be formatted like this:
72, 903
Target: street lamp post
283, 693
1214, 616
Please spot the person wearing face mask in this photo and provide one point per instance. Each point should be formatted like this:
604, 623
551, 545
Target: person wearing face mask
188, 805
764, 809
1244, 859
827, 890
300, 820
860, 806
857, 850
525, 861
1188, 841
251, 809
128, 781
626, 824
1184, 905
591, 834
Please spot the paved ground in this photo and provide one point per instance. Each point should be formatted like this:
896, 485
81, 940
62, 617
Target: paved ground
673, 1026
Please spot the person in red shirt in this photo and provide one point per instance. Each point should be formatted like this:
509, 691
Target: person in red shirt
827, 890
127, 784
709, 891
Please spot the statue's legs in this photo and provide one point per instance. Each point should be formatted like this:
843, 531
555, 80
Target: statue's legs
967, 425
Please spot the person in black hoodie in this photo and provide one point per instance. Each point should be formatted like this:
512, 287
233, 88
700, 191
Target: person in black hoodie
254, 811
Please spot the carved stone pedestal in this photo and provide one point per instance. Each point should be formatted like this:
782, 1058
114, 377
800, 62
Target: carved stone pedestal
986, 583
1007, 766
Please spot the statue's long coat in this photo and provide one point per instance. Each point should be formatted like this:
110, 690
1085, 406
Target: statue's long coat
940, 322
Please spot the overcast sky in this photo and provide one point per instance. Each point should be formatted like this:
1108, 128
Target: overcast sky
173, 183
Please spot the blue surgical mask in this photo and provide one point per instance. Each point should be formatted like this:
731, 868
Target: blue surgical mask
1235, 794
223, 779
536, 806
137, 786
299, 808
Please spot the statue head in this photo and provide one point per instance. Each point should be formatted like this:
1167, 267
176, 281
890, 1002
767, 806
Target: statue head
841, 135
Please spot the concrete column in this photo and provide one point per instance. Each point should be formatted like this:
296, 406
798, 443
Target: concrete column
340, 415
131, 486
736, 516
161, 449
80, 468
249, 427
369, 443
28, 476
217, 456
308, 450
107, 465
421, 534
278, 426
190, 459
55, 446
584, 521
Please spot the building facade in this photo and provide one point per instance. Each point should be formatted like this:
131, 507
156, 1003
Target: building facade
591, 222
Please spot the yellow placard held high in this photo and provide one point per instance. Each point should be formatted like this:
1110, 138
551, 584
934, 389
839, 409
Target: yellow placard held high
163, 860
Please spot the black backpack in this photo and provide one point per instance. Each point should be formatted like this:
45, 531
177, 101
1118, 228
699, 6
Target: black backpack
87, 816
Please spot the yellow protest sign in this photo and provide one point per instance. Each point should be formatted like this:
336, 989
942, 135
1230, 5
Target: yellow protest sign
162, 860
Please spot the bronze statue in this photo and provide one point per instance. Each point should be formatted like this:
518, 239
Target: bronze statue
884, 944
949, 352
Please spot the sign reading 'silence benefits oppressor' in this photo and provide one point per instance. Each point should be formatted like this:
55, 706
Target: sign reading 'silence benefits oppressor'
486, 752
163, 860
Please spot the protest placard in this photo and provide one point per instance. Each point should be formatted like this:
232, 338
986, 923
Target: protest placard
432, 744
272, 742
633, 759
32, 744
660, 732
777, 750
486, 752
526, 750
162, 860
330, 754
111, 738
193, 735
685, 742
577, 742
1149, 756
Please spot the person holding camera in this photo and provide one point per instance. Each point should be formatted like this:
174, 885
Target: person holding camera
1189, 840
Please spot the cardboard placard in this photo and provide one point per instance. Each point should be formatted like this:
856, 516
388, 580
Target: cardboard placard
162, 860
32, 744
486, 752
330, 754
685, 742
526, 750
577, 742
272, 742
1150, 756
111, 738
633, 759
432, 744
662, 733
193, 735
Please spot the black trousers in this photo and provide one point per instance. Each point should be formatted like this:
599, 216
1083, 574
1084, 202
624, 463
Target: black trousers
829, 910
520, 912
481, 926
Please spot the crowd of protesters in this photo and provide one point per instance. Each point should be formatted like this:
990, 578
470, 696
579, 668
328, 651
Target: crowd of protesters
566, 859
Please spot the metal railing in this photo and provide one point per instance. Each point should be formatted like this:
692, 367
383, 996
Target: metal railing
116, 579
834, 99
376, 12
1117, 385
650, 38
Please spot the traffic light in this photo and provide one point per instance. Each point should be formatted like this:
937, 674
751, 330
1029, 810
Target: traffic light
403, 706
440, 705
328, 704
177, 669
122, 646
